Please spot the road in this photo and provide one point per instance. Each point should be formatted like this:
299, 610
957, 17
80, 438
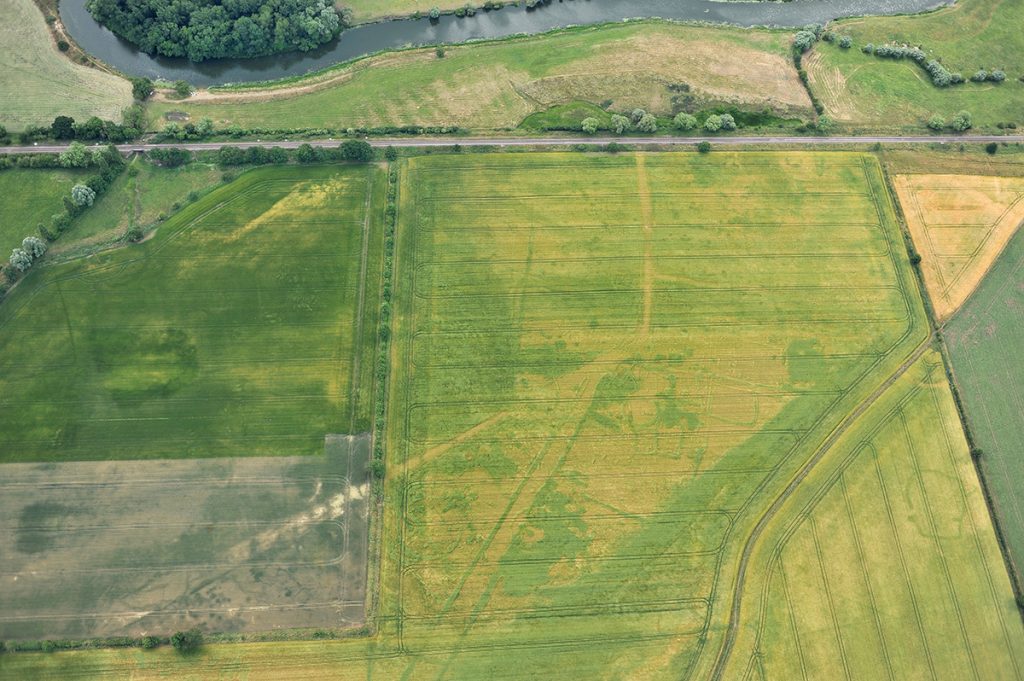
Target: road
552, 142
762, 523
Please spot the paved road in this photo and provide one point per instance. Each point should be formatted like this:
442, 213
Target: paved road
552, 142
762, 523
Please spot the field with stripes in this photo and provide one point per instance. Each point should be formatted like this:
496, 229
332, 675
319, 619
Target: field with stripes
655, 416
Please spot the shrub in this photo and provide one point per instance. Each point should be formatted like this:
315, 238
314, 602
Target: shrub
63, 128
182, 88
804, 40
439, 51
704, 147
63, 45
991, 148
962, 121
846, 42
434, 13
938, 73
685, 121
868, 49
589, 125
727, 121
980, 76
997, 76
713, 123
82, 195
936, 122
230, 156
647, 123
150, 642
619, 123
187, 642
391, 154
305, 154
170, 157
134, 234
635, 115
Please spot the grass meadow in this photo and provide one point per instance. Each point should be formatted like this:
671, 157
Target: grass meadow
40, 83
984, 339
887, 565
866, 91
179, 347
496, 85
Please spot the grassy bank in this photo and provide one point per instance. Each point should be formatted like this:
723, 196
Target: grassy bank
661, 67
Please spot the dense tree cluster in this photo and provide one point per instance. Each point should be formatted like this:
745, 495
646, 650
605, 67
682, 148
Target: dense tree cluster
211, 29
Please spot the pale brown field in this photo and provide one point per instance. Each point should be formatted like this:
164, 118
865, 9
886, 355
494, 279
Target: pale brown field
960, 224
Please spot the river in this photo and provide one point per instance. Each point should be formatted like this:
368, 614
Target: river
369, 38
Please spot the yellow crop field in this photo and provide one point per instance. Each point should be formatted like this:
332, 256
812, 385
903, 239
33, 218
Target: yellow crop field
960, 224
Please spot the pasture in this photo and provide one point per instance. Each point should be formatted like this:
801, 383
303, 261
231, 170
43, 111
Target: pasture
40, 83
181, 348
960, 224
985, 339
869, 92
496, 85
886, 564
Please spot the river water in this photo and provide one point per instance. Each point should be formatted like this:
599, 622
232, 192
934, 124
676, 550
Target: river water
368, 38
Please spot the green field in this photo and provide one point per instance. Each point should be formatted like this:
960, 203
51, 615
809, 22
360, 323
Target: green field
496, 85
881, 93
179, 348
985, 339
40, 83
35, 195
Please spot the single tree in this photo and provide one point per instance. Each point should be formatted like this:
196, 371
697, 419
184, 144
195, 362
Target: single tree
619, 123
728, 122
704, 146
305, 154
589, 125
355, 150
713, 123
845, 42
82, 195
142, 88
63, 128
435, 13
34, 246
20, 259
936, 122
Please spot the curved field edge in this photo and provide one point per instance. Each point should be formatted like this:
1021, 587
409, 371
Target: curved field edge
886, 562
39, 82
